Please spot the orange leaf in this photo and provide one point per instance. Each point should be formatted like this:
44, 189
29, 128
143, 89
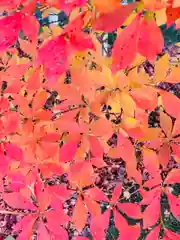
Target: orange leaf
151, 161
171, 103
81, 174
164, 155
92, 206
176, 127
166, 123
79, 215
153, 5
176, 4
104, 6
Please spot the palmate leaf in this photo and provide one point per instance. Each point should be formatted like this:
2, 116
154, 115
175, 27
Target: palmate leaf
74, 129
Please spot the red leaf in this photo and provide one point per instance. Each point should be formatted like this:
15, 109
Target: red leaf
130, 232
81, 41
130, 209
173, 177
97, 194
97, 149
170, 235
53, 55
98, 230
125, 46
119, 220
126, 149
176, 127
16, 200
42, 233
150, 41
149, 196
176, 149
152, 213
28, 30
53, 223
14, 152
67, 152
26, 224
81, 238
58, 231
156, 180
110, 21
9, 37
154, 234
174, 202
116, 193
68, 6
172, 14
98, 162
16, 181
51, 137
60, 192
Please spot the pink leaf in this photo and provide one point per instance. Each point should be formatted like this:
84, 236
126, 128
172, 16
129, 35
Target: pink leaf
154, 234
97, 194
173, 177
131, 209
67, 152
116, 193
9, 37
98, 230
42, 233
16, 200
53, 55
152, 213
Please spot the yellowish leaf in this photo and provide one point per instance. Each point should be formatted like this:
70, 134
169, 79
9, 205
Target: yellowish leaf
161, 17
161, 68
